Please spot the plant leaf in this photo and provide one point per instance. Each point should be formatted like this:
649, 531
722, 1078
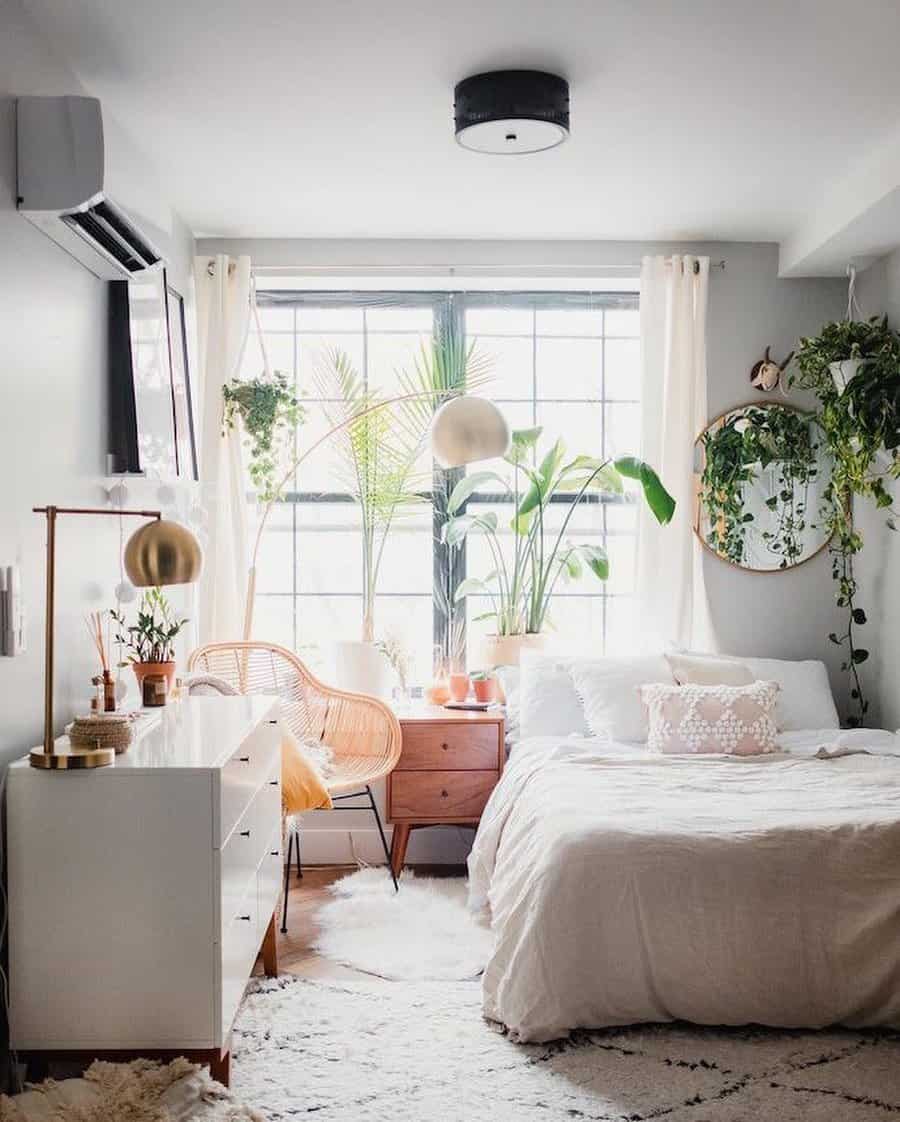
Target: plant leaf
658, 498
469, 585
468, 484
523, 440
596, 560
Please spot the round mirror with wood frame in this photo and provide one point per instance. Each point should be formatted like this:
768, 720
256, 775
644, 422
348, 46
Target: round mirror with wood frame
761, 471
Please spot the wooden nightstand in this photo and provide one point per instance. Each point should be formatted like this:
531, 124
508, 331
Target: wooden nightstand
450, 762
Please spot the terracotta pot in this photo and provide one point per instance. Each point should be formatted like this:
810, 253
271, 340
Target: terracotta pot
459, 686
506, 650
142, 669
485, 689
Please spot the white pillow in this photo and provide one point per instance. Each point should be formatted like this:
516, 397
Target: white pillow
548, 703
610, 691
510, 683
804, 701
706, 670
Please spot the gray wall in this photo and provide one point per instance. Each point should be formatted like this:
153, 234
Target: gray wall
878, 566
53, 430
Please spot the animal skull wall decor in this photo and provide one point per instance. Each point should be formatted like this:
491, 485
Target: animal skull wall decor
766, 374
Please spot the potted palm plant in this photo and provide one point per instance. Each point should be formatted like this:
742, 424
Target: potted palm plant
523, 579
378, 451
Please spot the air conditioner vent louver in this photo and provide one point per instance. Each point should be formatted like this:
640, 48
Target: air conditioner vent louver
105, 228
62, 188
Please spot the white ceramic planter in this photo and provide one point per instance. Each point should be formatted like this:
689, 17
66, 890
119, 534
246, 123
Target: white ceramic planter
362, 668
506, 650
842, 372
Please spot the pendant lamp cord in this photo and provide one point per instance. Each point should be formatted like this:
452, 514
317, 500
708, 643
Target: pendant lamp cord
853, 309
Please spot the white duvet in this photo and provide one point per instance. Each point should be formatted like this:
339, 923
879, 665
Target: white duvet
625, 886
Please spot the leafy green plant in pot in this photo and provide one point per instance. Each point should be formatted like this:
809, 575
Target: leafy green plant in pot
151, 640
521, 584
860, 416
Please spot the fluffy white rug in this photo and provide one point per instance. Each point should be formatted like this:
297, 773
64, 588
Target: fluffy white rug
415, 1052
422, 932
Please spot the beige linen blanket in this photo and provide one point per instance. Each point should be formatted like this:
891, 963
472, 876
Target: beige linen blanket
626, 887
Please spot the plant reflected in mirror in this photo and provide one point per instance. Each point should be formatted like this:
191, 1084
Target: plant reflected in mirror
763, 475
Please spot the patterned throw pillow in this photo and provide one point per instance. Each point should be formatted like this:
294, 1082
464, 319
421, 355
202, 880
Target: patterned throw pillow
734, 720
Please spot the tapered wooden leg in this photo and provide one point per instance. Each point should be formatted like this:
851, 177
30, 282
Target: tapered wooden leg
270, 950
399, 842
220, 1067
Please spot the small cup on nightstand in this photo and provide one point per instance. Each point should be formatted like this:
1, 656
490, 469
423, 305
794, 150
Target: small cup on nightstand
459, 686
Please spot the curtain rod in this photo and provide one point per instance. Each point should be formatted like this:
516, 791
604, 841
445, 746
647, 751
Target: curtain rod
451, 270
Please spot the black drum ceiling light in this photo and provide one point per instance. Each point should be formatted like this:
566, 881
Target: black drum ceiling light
511, 112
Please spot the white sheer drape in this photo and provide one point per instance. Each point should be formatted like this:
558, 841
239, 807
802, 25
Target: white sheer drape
223, 311
672, 604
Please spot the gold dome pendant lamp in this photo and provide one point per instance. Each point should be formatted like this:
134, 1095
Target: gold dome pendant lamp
158, 553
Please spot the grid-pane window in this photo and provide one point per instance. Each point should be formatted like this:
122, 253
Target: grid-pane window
564, 361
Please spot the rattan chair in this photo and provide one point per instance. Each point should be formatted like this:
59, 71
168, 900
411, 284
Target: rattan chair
361, 732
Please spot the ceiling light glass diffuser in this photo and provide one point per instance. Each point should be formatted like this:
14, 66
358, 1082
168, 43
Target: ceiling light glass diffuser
511, 112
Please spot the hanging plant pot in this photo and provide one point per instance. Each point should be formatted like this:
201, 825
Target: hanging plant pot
843, 371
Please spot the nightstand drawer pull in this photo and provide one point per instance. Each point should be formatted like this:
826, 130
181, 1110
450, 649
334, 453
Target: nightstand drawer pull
445, 746
444, 795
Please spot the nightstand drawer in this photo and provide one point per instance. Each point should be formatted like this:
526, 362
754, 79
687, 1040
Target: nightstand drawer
454, 746
436, 795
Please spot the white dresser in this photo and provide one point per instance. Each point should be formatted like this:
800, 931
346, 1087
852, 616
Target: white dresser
141, 894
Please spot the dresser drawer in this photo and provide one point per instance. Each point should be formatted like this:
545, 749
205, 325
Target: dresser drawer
246, 771
450, 747
434, 795
240, 944
245, 849
268, 882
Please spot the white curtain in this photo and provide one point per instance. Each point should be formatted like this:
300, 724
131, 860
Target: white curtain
671, 596
223, 311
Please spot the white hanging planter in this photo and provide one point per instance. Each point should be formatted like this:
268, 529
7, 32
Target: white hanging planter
362, 668
843, 371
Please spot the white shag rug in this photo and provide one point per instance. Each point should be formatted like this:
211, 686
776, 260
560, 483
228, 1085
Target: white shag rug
423, 932
372, 1051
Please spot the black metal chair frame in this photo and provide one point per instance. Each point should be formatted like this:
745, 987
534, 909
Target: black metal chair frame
294, 838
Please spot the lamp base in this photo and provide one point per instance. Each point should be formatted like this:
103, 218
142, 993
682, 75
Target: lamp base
71, 759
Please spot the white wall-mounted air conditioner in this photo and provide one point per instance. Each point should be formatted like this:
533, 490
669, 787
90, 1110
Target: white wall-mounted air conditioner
61, 187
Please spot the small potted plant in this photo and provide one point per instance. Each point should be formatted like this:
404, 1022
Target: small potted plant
151, 641
841, 348
484, 683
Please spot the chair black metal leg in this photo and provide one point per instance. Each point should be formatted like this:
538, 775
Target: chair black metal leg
299, 866
287, 880
384, 844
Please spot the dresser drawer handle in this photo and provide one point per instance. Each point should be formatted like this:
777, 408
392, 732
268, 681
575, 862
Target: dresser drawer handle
275, 853
243, 759
245, 833
246, 919
275, 722
273, 782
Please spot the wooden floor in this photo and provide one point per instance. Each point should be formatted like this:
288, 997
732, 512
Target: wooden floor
306, 896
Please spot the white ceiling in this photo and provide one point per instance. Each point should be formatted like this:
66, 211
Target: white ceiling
699, 119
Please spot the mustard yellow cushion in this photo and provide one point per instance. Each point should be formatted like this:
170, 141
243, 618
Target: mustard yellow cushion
302, 786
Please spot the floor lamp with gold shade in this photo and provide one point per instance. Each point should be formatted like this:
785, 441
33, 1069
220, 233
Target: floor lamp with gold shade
158, 553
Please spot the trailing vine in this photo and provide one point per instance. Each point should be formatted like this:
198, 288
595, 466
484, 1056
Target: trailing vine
738, 452
861, 423
270, 414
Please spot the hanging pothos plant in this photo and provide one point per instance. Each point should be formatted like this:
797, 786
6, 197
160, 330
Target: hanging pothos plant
270, 414
737, 453
861, 422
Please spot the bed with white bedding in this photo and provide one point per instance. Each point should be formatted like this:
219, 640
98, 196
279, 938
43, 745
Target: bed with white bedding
625, 886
